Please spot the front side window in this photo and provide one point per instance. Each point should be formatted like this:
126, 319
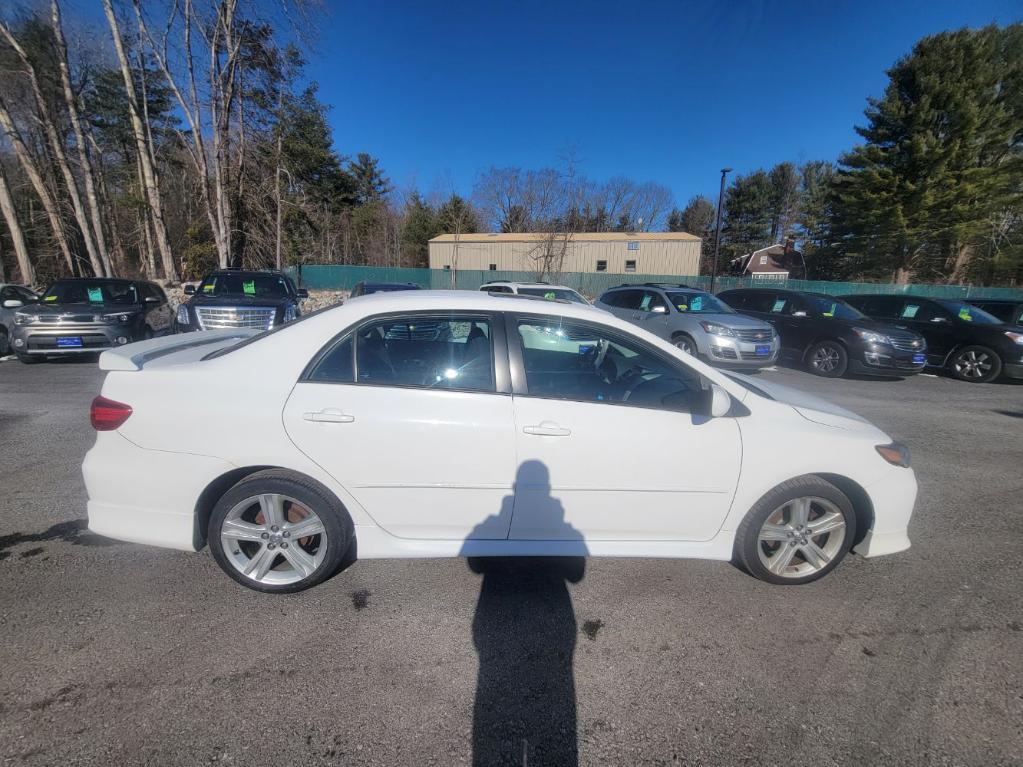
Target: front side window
588, 363
821, 306
699, 303
652, 302
969, 313
430, 352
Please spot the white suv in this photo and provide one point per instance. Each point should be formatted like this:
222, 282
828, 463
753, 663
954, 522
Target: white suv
539, 289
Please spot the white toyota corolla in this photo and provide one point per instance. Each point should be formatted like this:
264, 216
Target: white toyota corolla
439, 424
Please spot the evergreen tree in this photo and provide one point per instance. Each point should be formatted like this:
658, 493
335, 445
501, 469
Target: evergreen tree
420, 227
370, 182
747, 214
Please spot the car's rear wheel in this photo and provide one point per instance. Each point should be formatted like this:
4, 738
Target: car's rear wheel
976, 364
279, 532
685, 343
796, 533
828, 359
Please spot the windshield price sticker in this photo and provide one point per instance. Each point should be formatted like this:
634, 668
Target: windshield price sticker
249, 287
96, 295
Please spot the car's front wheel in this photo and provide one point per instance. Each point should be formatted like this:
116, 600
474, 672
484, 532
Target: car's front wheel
976, 364
276, 531
685, 343
798, 532
828, 359
28, 359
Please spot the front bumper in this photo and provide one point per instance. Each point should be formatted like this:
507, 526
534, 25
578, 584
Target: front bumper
59, 339
892, 498
887, 361
734, 352
1013, 369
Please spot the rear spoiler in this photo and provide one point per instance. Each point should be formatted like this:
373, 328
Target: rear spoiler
135, 356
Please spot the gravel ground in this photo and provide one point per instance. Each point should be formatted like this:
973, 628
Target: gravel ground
120, 654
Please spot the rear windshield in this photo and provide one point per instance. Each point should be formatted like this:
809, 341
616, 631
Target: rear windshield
553, 294
822, 306
970, 313
255, 285
699, 303
86, 292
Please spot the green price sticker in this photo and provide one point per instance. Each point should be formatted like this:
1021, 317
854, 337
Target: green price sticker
95, 295
550, 295
249, 287
964, 314
50, 298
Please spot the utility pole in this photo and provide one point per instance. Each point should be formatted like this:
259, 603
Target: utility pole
717, 236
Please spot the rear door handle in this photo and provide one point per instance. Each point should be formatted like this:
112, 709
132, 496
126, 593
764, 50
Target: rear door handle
547, 429
329, 415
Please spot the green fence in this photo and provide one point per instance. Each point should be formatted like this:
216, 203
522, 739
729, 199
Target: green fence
337, 277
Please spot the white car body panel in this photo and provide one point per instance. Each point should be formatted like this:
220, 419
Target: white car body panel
428, 473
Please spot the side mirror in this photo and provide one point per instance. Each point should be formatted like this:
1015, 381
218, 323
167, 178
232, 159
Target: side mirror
799, 314
189, 290
660, 310
13, 303
940, 319
720, 402
302, 293
152, 300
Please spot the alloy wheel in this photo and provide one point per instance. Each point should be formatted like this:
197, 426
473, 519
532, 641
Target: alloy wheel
801, 537
973, 364
273, 539
685, 345
825, 359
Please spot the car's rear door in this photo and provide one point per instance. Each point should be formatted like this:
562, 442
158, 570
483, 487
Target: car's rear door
412, 414
611, 443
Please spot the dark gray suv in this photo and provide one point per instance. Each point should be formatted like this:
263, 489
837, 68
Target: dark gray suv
696, 322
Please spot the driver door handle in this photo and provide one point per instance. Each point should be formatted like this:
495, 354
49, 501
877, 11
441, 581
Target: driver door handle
328, 415
547, 429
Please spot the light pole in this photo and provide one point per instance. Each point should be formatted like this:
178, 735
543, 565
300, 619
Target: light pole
717, 236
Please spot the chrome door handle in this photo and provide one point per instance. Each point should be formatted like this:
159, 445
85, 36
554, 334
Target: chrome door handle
547, 429
330, 415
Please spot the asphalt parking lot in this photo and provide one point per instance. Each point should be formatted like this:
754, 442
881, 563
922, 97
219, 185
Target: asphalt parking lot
119, 654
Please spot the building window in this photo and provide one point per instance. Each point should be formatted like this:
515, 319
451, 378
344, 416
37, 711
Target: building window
763, 260
602, 266
633, 245
493, 267
447, 267
630, 266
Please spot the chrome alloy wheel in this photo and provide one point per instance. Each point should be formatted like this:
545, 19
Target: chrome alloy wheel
685, 345
825, 359
273, 539
801, 537
973, 364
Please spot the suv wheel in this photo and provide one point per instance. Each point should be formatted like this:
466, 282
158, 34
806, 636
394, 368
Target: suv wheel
685, 343
5, 344
798, 532
28, 359
976, 364
279, 532
828, 359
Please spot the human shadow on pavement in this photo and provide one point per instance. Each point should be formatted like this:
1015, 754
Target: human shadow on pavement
525, 632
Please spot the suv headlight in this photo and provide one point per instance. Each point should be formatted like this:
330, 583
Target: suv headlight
23, 318
872, 337
115, 318
1015, 337
290, 313
717, 330
182, 315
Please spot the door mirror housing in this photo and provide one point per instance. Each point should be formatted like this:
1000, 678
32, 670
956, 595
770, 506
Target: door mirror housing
302, 293
13, 303
152, 300
189, 290
660, 310
799, 313
720, 401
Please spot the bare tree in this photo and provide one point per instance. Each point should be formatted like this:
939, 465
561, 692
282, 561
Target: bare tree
28, 272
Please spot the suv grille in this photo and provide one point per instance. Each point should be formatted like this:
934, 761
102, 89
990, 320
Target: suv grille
907, 344
235, 317
69, 319
753, 335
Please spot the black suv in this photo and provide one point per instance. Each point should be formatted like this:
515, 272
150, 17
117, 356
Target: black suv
969, 343
828, 335
232, 298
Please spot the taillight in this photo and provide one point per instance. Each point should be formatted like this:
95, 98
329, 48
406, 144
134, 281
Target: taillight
107, 415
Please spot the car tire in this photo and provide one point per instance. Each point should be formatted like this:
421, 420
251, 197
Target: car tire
5, 343
146, 334
827, 359
775, 527
28, 359
975, 364
685, 343
260, 552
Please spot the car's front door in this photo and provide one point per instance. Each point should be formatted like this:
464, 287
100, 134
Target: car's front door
410, 414
933, 322
611, 440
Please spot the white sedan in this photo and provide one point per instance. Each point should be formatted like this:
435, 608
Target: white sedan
441, 424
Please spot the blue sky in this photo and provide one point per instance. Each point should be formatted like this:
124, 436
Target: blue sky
657, 91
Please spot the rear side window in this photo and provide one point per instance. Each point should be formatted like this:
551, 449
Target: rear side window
1004, 312
337, 365
763, 302
626, 299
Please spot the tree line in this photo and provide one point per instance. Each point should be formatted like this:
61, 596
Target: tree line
186, 136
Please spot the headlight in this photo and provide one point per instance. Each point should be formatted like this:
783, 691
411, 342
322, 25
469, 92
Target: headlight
896, 454
182, 316
290, 313
872, 337
113, 319
1017, 338
24, 319
716, 330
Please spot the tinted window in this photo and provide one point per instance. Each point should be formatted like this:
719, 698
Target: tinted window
699, 303
26, 295
91, 292
9, 294
764, 302
338, 364
256, 284
431, 352
885, 307
827, 306
625, 299
651, 301
1004, 312
969, 313
733, 299
497, 289
579, 361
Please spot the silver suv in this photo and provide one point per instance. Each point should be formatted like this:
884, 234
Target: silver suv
696, 322
539, 289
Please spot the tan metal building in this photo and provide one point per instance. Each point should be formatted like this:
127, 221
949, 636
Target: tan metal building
658, 253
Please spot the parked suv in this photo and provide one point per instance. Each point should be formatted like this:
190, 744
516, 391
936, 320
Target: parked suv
233, 298
1004, 309
12, 297
539, 289
82, 315
969, 343
829, 336
696, 322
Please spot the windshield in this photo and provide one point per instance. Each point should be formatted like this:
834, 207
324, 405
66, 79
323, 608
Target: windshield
828, 306
970, 313
699, 303
86, 292
553, 294
257, 285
